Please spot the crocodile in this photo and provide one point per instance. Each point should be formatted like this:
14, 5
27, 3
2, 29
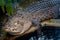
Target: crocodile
31, 15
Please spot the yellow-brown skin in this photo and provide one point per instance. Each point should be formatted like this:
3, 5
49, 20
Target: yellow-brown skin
17, 26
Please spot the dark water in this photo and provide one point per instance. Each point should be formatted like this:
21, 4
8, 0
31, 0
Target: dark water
48, 33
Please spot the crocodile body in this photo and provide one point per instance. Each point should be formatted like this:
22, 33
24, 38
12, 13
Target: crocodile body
35, 13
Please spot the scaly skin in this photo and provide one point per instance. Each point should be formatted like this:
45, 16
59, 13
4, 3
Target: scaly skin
17, 25
23, 20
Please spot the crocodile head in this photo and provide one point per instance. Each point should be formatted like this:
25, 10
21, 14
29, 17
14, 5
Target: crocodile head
17, 25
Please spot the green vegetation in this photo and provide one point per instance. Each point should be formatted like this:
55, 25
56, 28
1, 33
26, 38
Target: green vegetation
8, 5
